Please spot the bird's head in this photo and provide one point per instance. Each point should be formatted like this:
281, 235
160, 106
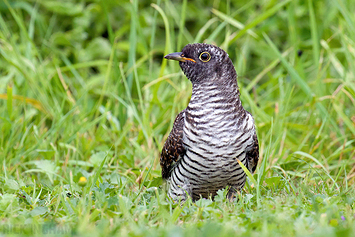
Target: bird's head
204, 63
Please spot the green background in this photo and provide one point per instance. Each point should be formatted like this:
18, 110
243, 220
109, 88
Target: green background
87, 101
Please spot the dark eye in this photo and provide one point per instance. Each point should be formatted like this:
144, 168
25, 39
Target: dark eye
205, 57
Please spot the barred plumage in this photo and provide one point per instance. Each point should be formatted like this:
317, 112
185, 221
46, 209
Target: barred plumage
201, 152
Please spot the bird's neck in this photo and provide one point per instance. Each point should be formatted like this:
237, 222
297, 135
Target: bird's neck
223, 90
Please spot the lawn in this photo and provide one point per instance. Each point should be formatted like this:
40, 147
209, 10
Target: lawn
87, 101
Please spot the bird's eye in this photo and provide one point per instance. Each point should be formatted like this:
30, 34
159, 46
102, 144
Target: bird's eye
205, 57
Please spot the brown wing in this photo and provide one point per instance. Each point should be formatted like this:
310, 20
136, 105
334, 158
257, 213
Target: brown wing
173, 148
253, 153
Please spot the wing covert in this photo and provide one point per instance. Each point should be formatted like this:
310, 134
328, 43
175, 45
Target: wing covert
253, 153
173, 148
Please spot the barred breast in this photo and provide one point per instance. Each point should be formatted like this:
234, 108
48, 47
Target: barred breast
217, 130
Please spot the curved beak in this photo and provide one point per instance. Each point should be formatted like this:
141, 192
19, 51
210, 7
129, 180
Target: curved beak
178, 57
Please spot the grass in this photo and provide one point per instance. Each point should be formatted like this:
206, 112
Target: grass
86, 103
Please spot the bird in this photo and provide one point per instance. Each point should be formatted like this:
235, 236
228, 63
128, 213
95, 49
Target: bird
200, 155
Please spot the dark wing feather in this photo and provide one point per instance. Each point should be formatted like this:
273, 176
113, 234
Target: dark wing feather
173, 148
252, 153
